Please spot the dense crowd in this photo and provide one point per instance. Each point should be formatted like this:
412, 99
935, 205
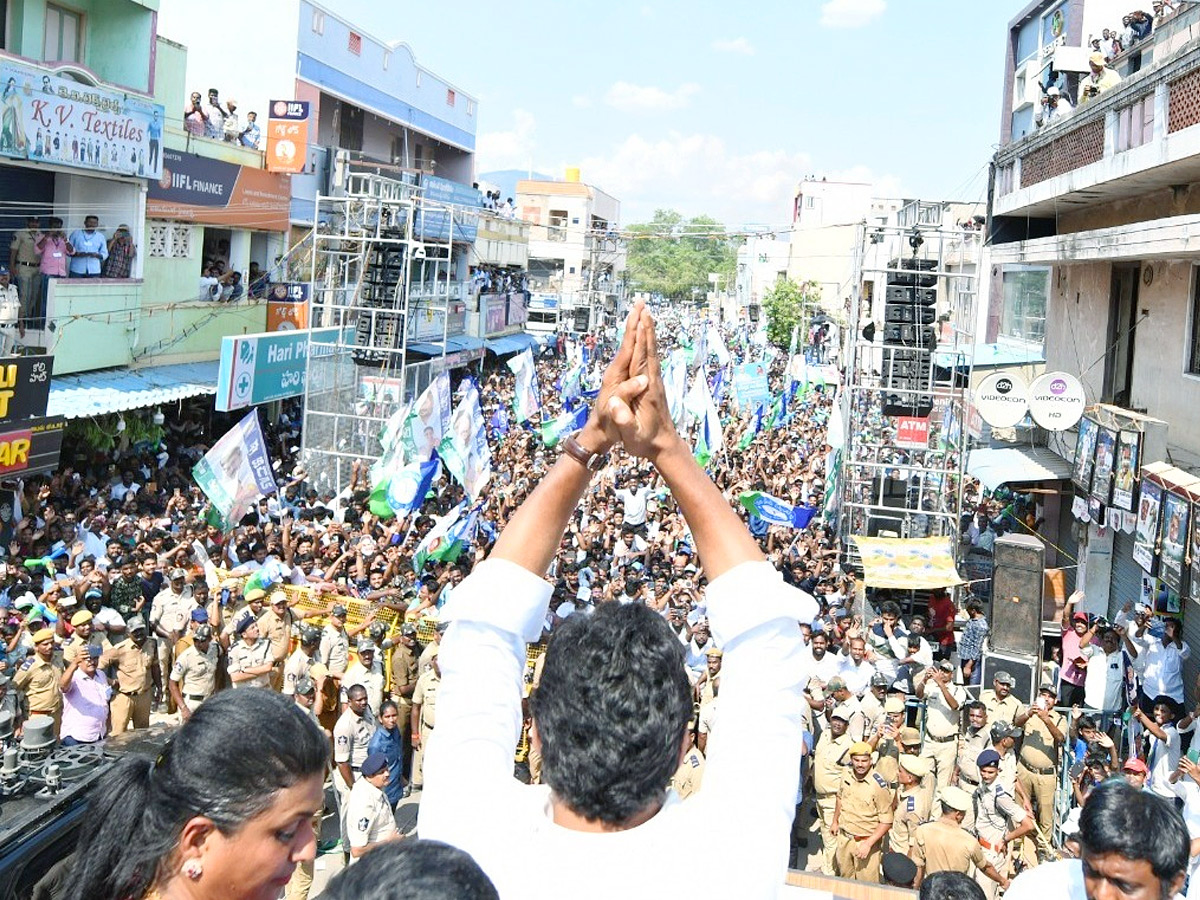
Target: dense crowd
122, 599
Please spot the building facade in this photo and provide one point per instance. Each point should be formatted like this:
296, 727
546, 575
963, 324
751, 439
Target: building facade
575, 249
1090, 227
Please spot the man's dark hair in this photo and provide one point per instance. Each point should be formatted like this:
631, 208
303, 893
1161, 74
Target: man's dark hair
950, 886
412, 870
611, 711
974, 704
889, 608
1119, 818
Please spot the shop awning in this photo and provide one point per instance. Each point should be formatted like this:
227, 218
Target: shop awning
116, 390
907, 563
1016, 465
463, 342
426, 348
511, 343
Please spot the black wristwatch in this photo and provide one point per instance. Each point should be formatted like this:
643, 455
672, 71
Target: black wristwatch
593, 462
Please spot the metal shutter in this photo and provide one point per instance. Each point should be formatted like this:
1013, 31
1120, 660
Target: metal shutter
1126, 575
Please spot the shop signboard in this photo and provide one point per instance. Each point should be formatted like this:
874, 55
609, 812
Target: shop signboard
287, 306
287, 136
447, 206
24, 387
61, 121
260, 368
427, 321
213, 192
32, 447
542, 302
912, 432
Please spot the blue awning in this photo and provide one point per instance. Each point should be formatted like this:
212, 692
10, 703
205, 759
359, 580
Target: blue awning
511, 343
426, 348
116, 390
463, 342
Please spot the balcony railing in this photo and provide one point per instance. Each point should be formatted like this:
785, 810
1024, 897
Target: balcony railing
1158, 100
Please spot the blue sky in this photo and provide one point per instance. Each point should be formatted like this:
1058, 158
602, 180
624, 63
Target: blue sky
721, 107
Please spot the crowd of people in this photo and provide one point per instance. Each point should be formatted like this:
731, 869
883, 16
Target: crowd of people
219, 120
122, 599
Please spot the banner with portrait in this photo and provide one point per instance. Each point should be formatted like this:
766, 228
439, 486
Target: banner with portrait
1194, 555
1085, 454
1129, 457
1145, 535
1175, 519
1102, 471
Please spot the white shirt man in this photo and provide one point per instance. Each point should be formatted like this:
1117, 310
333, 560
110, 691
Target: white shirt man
1104, 683
1163, 674
856, 675
472, 801
634, 504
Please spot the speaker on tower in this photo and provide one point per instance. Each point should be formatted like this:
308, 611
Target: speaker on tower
1016, 617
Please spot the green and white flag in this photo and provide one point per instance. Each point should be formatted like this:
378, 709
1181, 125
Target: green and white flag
563, 424
464, 449
447, 538
236, 471
527, 399
700, 406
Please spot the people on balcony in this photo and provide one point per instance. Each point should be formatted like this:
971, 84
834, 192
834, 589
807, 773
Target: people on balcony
1101, 80
1054, 107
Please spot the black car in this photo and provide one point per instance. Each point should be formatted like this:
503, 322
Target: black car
43, 799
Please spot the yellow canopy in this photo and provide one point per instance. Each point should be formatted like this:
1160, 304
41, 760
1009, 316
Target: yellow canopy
907, 563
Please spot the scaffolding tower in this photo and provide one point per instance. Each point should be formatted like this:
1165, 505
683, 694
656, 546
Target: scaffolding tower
909, 355
384, 259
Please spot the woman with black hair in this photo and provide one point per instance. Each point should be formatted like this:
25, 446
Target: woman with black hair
224, 813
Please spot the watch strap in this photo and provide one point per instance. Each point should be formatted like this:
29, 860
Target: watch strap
591, 461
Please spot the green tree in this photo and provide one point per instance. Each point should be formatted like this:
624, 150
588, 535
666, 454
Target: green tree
787, 305
673, 258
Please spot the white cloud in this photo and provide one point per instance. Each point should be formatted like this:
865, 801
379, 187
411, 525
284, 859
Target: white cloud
737, 45
581, 101
647, 98
851, 13
700, 173
510, 149
647, 12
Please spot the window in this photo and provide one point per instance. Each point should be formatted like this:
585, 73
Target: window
470, 107
318, 22
557, 228
387, 58
1193, 351
355, 44
418, 77
168, 240
450, 97
3, 24
64, 35
1026, 291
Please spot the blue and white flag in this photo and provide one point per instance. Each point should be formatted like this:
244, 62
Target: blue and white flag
465, 449
403, 492
527, 399
776, 511
236, 471
560, 426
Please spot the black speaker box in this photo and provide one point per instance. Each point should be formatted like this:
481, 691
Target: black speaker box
1016, 615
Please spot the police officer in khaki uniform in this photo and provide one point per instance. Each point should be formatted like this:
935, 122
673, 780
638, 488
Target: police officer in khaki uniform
38, 677
837, 694
1045, 731
300, 662
713, 659
276, 627
169, 616
250, 660
334, 651
885, 739
861, 818
403, 683
974, 740
829, 765
134, 658
351, 738
913, 803
999, 820
369, 816
687, 778
84, 635
194, 675
943, 709
1001, 705
424, 717
943, 845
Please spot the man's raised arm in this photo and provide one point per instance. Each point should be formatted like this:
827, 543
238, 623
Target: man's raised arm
753, 764
494, 613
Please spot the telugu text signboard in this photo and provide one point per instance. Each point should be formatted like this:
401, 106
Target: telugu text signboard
260, 368
24, 387
61, 121
33, 447
287, 136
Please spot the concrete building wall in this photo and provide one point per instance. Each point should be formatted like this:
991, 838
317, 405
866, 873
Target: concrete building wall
820, 203
826, 256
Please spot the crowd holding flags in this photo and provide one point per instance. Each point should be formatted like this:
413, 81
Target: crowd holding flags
527, 400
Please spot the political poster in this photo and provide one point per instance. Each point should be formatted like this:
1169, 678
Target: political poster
750, 386
1102, 471
1145, 534
1175, 516
1129, 453
236, 471
1085, 454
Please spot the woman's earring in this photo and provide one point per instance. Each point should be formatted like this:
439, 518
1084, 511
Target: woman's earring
193, 869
